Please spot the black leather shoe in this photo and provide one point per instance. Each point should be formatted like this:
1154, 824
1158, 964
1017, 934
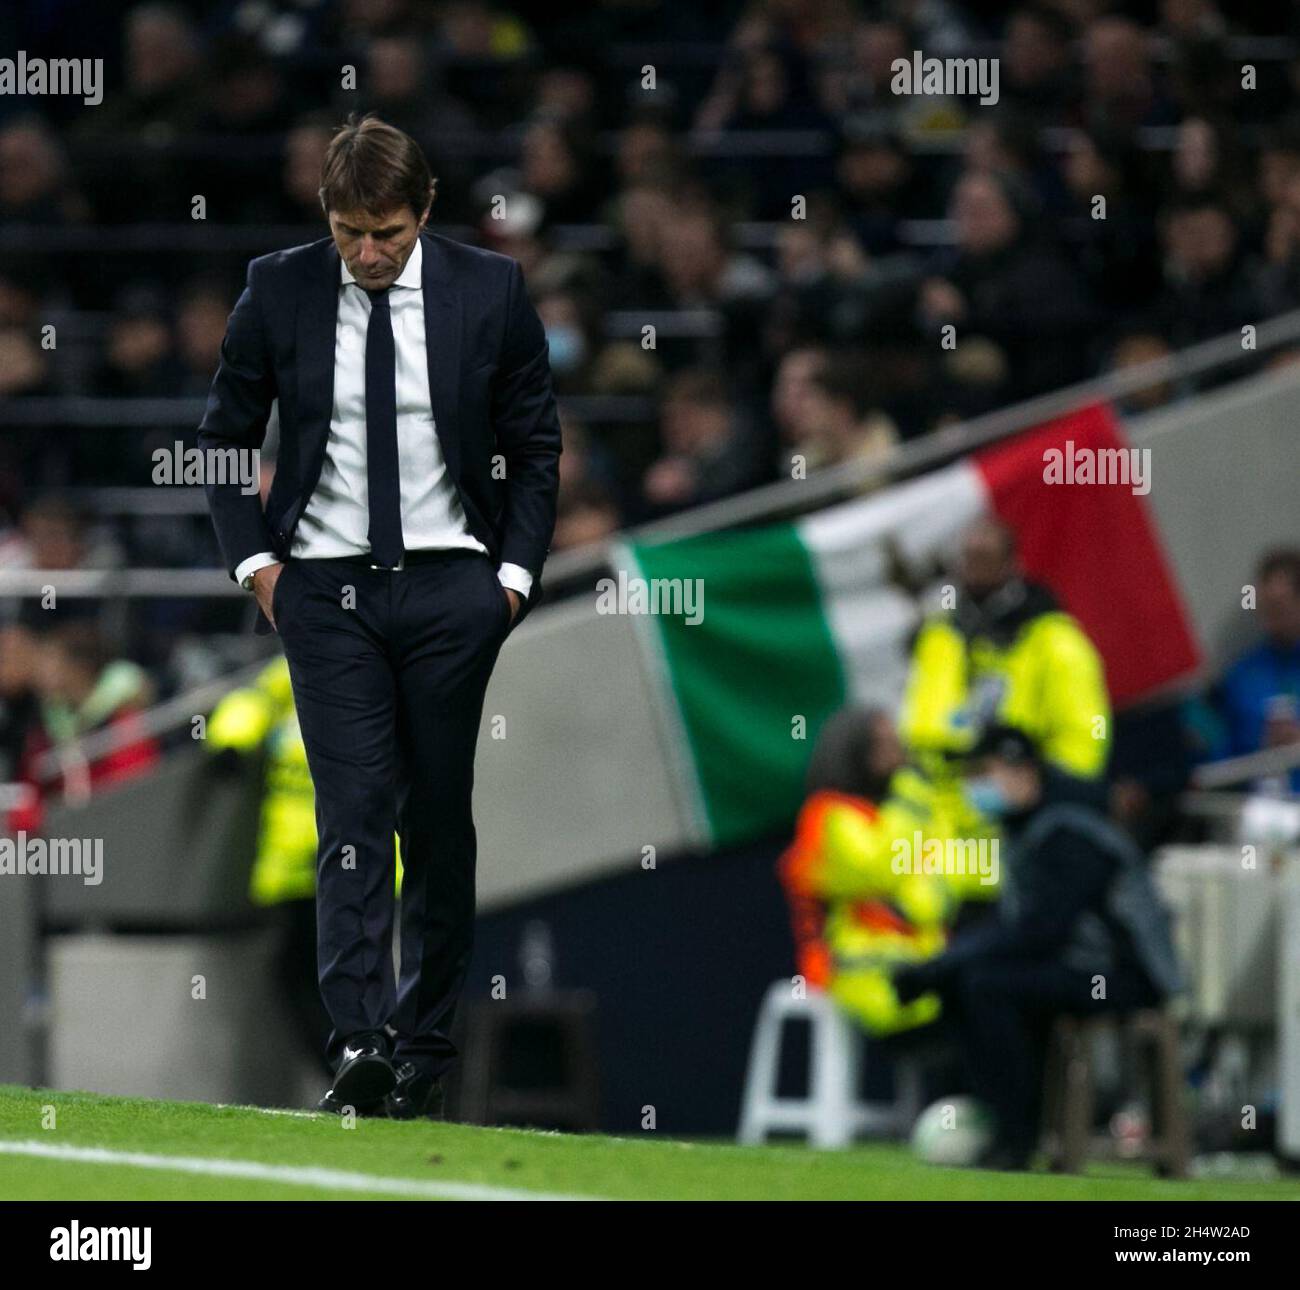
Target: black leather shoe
416, 1097
331, 1105
365, 1075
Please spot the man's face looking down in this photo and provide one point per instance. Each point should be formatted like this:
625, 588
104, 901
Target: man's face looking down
376, 247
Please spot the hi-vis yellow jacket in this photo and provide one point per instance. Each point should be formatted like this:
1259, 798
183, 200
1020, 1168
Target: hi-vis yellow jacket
862, 901
1047, 679
285, 867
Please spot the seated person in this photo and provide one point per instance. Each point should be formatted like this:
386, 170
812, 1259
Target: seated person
856, 910
1079, 929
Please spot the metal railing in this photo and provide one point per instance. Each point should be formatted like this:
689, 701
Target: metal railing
1268, 763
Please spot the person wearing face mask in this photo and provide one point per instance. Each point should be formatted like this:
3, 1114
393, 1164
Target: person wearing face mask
566, 336
1079, 929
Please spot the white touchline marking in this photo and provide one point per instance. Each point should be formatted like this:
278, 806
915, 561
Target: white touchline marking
273, 1110
294, 1175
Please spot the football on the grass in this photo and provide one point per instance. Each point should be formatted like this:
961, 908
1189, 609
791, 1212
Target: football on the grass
952, 1131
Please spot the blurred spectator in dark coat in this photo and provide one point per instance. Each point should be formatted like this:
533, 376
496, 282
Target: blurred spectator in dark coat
769, 92
642, 215
1210, 284
882, 186
1037, 76
163, 62
159, 99
1108, 222
1121, 92
139, 358
1010, 289
559, 167
703, 271
708, 450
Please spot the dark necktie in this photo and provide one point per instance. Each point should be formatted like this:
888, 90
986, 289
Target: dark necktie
382, 473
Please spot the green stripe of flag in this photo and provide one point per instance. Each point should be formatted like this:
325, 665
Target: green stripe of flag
762, 656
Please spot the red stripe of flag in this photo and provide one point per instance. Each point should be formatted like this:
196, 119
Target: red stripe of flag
1096, 547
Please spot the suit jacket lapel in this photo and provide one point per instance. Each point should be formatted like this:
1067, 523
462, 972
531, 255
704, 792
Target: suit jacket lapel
318, 308
442, 338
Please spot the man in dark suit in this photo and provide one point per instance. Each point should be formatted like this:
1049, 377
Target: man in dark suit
402, 540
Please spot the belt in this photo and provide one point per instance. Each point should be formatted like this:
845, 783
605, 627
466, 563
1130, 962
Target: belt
430, 555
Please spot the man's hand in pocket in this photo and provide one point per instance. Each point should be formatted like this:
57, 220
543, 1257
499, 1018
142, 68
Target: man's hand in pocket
264, 581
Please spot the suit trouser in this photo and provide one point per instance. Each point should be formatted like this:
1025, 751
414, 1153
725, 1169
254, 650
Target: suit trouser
389, 673
1002, 1011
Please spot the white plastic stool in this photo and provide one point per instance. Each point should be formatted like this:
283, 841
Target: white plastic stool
831, 1115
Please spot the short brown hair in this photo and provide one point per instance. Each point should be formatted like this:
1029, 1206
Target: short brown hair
373, 166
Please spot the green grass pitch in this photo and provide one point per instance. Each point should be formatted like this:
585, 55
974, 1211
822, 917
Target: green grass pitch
82, 1146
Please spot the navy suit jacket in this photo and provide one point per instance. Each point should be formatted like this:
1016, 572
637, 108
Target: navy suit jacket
489, 382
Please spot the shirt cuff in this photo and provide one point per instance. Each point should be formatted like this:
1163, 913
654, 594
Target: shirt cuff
516, 577
245, 569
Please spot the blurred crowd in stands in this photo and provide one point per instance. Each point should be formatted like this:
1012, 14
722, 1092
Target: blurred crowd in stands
740, 177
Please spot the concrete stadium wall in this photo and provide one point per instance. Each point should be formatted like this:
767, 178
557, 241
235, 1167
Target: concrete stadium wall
1225, 472
583, 778
186, 1017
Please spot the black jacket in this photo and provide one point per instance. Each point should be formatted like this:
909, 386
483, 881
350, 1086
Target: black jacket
489, 383
1075, 890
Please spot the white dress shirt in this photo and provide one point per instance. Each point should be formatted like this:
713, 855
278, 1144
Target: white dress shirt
336, 519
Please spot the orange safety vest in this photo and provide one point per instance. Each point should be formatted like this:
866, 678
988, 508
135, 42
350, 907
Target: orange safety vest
798, 869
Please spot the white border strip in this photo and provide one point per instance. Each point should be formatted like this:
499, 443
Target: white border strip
290, 1175
670, 721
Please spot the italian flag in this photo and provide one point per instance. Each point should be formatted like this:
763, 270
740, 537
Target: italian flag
801, 618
